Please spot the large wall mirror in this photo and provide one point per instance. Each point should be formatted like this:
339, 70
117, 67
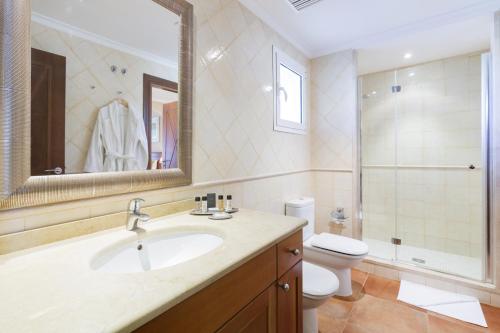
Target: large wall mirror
110, 93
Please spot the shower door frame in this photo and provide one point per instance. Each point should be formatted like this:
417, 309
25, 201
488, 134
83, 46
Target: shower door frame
486, 158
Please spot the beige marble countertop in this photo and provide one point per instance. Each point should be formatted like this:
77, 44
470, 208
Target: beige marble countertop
54, 289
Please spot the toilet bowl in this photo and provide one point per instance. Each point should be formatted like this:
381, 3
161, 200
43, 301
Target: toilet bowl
336, 253
318, 284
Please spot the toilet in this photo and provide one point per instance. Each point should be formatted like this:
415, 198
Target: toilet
336, 253
318, 284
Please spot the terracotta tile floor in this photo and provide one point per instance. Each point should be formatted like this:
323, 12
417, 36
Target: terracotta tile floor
373, 308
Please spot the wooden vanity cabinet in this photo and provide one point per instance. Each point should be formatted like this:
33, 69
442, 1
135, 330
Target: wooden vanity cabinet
289, 283
263, 295
257, 317
289, 301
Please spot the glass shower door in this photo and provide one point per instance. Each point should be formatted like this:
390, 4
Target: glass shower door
423, 166
378, 155
439, 171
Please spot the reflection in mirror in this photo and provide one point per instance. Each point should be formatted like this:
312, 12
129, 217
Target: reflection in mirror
89, 59
161, 112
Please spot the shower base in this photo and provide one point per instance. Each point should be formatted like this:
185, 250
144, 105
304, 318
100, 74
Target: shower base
464, 266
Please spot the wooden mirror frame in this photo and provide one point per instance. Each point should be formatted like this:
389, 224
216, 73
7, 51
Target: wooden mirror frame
18, 188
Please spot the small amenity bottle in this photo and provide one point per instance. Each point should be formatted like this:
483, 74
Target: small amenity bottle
229, 204
220, 203
197, 204
204, 205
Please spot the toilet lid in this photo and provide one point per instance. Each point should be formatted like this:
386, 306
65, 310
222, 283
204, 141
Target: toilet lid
318, 281
340, 244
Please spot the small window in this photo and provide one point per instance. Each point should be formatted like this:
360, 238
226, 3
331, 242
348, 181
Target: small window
289, 112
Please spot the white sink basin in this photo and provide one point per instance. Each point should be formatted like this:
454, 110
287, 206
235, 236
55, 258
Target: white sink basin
155, 252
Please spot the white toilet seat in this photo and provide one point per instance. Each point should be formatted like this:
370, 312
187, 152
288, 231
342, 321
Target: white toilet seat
318, 282
339, 245
337, 262
307, 244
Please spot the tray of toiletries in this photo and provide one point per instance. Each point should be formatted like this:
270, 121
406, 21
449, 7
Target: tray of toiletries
213, 211
211, 204
201, 213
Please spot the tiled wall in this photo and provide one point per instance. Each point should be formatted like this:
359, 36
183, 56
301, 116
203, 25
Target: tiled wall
90, 84
267, 194
233, 125
434, 121
233, 117
333, 128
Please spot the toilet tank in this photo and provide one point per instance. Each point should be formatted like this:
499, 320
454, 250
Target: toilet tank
303, 208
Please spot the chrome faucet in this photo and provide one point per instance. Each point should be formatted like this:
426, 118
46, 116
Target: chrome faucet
134, 215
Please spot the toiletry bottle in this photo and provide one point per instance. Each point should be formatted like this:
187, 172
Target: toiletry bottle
204, 206
197, 204
220, 203
229, 204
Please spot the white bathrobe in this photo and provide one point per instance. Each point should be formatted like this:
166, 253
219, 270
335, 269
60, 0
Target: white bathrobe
119, 141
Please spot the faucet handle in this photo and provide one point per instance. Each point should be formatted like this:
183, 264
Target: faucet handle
135, 205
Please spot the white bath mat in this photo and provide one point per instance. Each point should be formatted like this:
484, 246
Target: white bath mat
461, 307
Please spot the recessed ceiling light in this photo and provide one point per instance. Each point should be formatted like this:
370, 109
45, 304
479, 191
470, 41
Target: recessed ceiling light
374, 92
408, 55
411, 74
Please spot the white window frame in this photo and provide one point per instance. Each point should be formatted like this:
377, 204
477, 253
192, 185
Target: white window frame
281, 58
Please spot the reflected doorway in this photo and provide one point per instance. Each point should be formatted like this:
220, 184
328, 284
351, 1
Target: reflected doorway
161, 121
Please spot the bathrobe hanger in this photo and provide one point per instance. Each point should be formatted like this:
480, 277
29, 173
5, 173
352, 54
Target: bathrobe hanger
122, 102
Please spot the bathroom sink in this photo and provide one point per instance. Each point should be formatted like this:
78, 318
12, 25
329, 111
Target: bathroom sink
154, 252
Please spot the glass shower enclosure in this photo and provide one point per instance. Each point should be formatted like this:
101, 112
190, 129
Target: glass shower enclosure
424, 132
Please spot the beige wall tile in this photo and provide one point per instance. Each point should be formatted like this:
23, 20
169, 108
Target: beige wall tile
386, 272
52, 218
10, 226
495, 300
483, 296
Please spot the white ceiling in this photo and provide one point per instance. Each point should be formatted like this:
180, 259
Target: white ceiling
138, 24
334, 25
452, 39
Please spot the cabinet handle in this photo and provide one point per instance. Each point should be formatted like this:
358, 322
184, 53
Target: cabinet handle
295, 252
285, 286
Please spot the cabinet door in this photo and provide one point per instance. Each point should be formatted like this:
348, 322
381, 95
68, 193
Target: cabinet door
289, 307
257, 317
